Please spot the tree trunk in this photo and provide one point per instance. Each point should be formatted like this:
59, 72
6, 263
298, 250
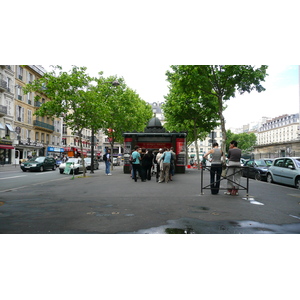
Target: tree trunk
197, 148
222, 119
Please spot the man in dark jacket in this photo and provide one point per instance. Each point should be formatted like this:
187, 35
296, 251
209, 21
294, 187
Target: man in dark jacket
107, 160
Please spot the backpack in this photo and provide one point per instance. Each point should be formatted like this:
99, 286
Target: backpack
131, 159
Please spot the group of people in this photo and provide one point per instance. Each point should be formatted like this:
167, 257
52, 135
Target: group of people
143, 163
233, 170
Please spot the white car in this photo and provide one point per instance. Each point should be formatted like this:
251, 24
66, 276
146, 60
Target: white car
76, 166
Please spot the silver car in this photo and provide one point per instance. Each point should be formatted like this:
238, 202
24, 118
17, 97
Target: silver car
285, 170
76, 166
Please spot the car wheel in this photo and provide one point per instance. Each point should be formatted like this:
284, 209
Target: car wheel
297, 183
61, 171
269, 178
77, 171
41, 169
24, 170
257, 176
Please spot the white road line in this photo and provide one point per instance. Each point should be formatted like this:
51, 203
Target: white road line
12, 177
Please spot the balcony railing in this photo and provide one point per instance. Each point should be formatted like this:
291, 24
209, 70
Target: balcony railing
43, 125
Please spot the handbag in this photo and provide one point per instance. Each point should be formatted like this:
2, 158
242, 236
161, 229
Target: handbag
224, 170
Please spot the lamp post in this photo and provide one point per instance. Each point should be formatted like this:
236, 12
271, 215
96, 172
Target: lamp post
113, 83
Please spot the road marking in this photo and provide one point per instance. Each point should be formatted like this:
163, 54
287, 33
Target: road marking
12, 177
21, 187
294, 216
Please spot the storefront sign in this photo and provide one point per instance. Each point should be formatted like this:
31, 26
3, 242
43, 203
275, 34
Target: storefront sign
55, 149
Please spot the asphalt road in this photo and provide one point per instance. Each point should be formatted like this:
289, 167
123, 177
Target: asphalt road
51, 203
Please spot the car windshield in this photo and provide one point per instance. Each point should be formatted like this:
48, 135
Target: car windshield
260, 163
87, 159
75, 160
297, 160
38, 159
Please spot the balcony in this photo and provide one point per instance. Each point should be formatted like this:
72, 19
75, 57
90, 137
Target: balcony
43, 125
3, 110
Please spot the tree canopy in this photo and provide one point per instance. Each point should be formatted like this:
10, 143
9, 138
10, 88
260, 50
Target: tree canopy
90, 102
216, 84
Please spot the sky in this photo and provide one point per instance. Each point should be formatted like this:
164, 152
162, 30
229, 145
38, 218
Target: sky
280, 97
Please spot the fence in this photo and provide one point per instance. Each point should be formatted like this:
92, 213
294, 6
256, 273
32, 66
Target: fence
239, 186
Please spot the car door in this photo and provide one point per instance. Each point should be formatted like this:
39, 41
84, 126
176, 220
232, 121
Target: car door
277, 170
47, 163
288, 172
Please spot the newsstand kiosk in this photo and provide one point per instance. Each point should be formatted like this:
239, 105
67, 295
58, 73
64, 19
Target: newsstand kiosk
155, 136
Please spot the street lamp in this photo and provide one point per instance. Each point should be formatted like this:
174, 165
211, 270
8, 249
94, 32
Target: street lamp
113, 83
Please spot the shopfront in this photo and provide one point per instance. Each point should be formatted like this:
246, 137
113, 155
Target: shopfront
6, 149
55, 151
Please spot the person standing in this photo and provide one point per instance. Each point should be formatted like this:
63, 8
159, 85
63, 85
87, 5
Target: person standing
234, 170
166, 157
158, 164
147, 164
216, 167
172, 164
107, 160
136, 166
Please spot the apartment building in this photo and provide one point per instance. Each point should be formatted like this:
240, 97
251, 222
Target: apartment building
279, 129
7, 79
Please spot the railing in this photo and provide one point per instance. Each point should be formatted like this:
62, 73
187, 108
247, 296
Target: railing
43, 125
237, 169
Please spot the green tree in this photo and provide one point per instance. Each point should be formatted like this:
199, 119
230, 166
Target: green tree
69, 96
221, 82
246, 141
185, 110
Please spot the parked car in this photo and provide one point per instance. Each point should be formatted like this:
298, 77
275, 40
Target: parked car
116, 161
88, 163
39, 163
76, 166
58, 162
285, 170
257, 168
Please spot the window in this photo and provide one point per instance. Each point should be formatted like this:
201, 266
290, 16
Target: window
19, 113
19, 92
20, 73
279, 162
29, 116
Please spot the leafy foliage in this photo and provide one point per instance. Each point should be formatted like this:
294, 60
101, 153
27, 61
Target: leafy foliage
246, 141
88, 102
216, 84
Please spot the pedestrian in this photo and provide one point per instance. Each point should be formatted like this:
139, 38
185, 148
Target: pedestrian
159, 164
166, 157
147, 164
216, 167
234, 170
136, 166
172, 164
107, 160
65, 158
143, 165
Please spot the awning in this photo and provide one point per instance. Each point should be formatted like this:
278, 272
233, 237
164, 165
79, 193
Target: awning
9, 127
67, 149
6, 147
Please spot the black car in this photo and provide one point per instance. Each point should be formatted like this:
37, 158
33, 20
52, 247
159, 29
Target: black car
39, 163
257, 168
